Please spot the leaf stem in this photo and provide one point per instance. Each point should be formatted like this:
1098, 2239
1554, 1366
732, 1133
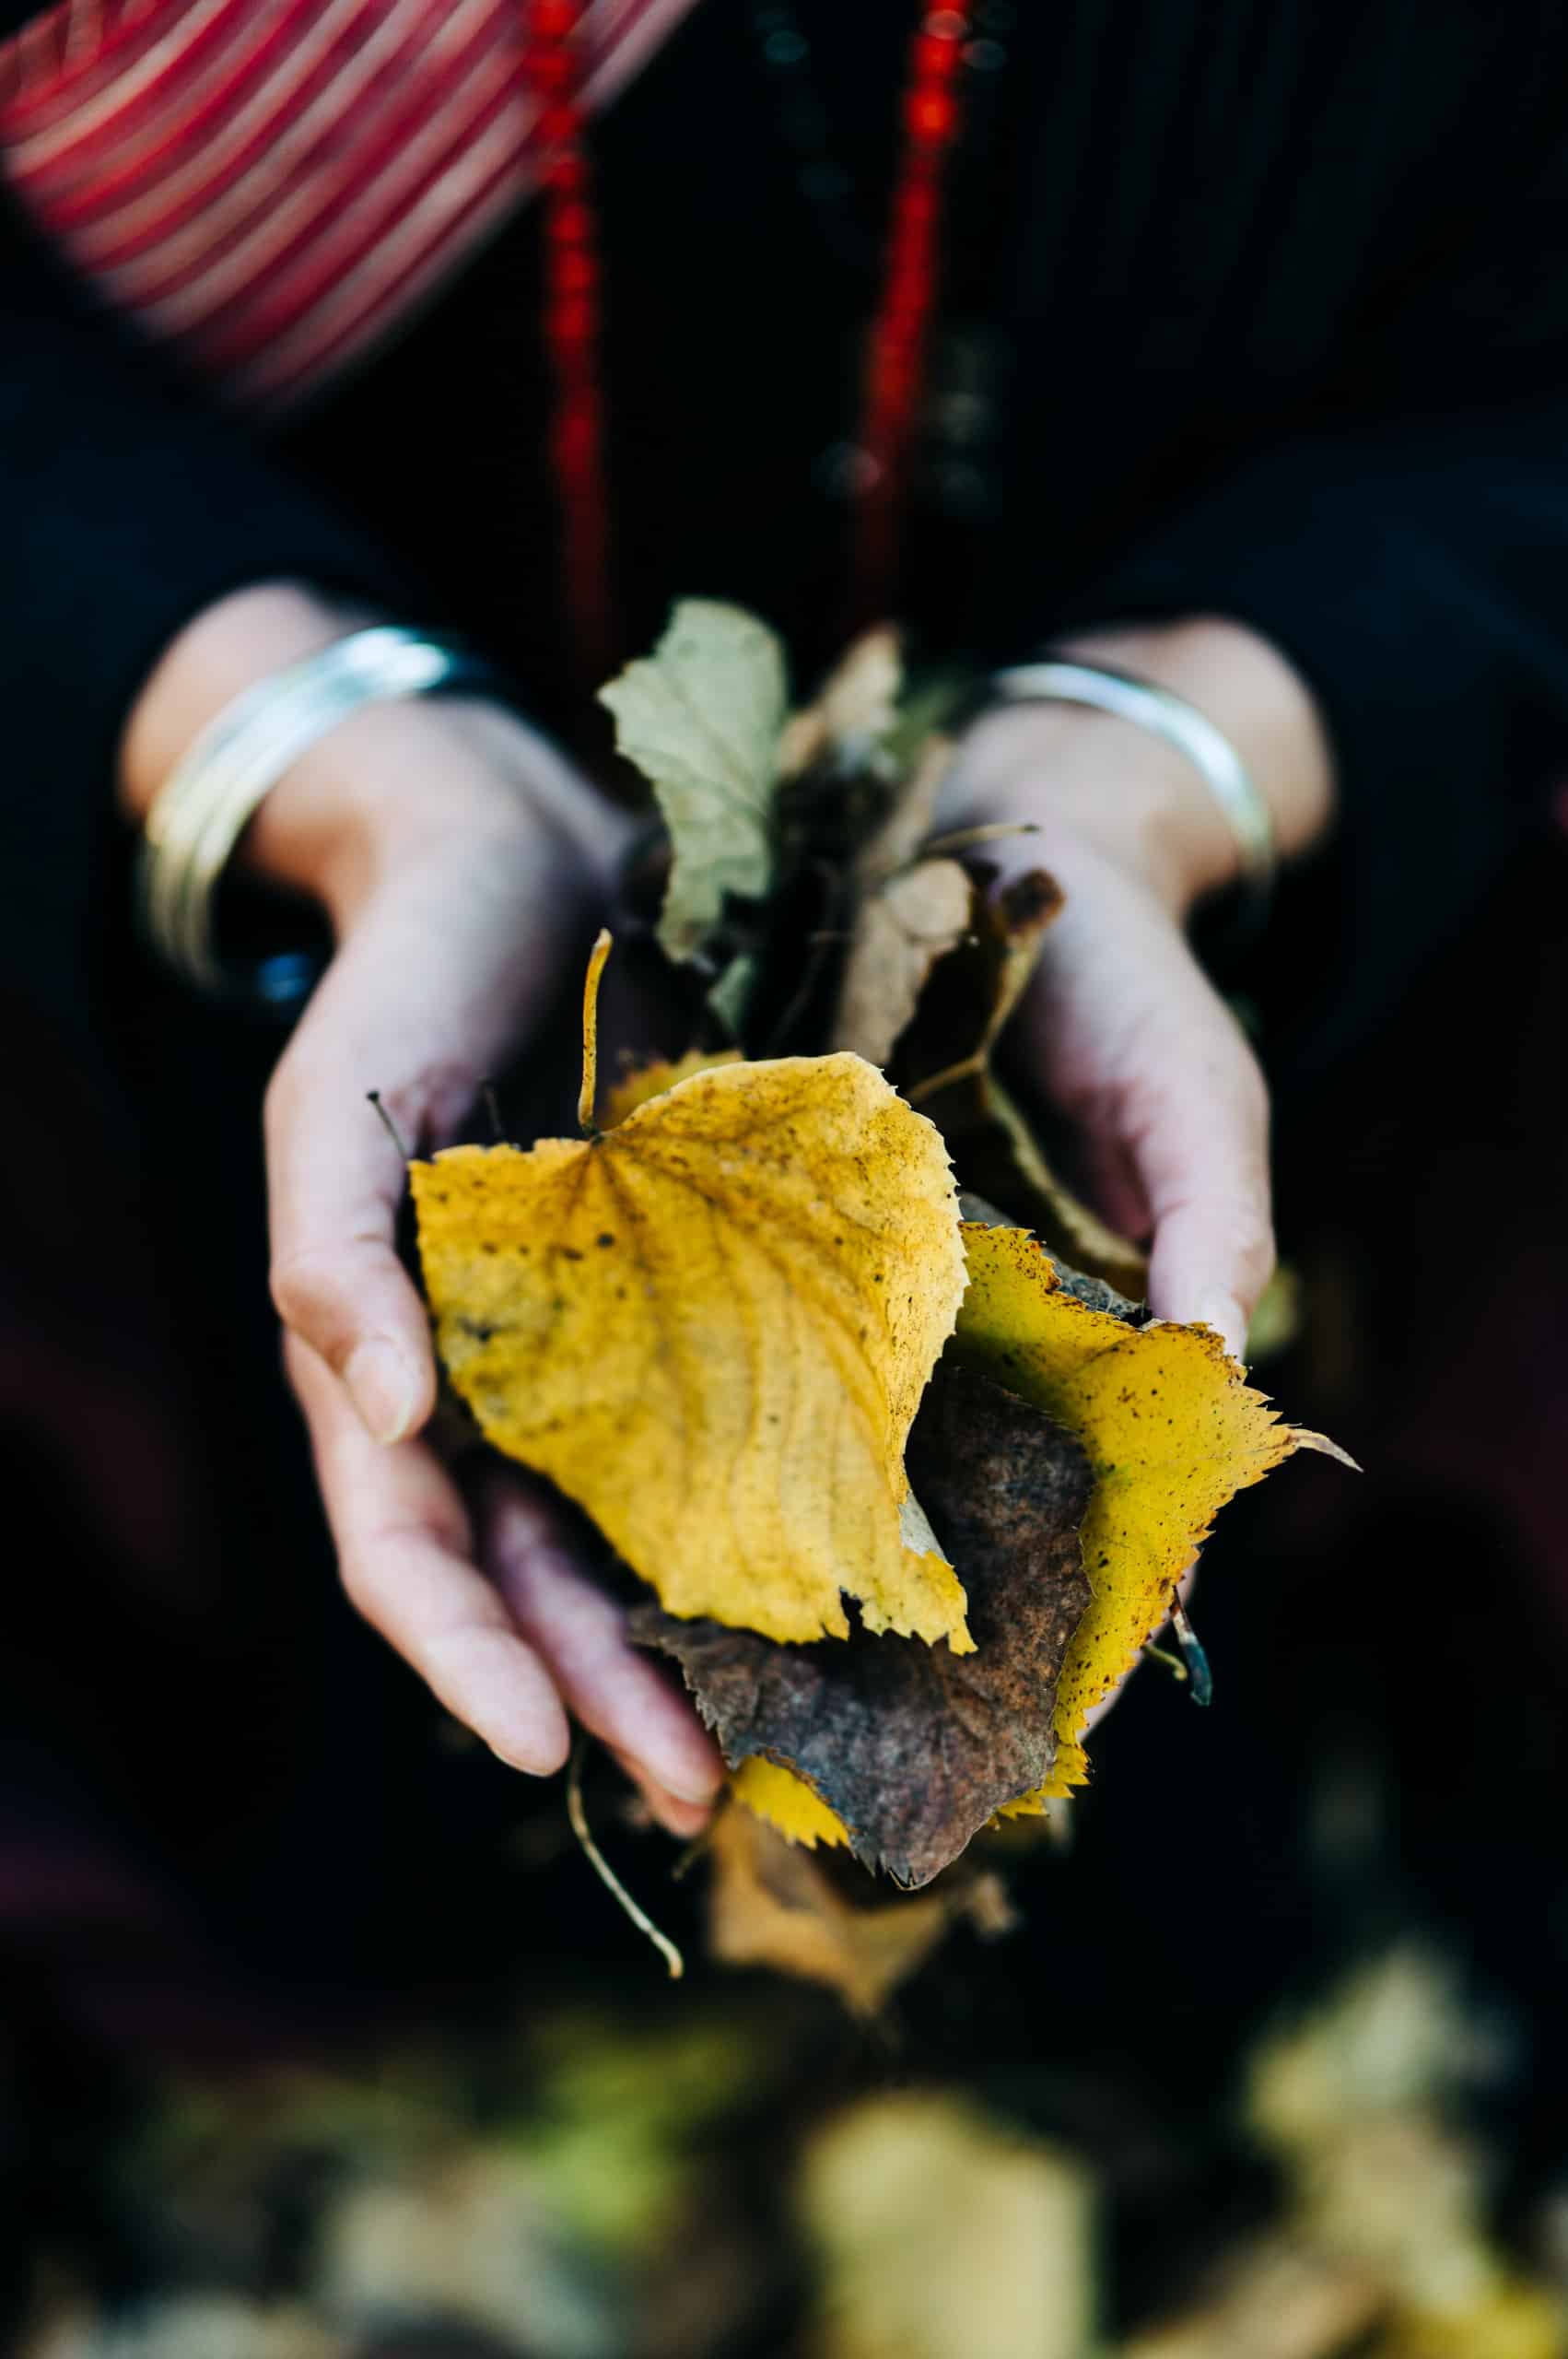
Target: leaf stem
579, 1816
389, 1125
590, 1090
967, 839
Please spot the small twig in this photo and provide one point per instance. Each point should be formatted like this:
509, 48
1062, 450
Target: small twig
965, 838
493, 1108
590, 1090
387, 1124
1191, 1646
599, 1865
962, 1071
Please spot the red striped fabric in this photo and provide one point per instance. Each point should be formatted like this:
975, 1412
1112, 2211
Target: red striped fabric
271, 186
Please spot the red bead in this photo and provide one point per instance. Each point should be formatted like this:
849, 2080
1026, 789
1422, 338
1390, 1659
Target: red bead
575, 272
932, 59
571, 223
891, 374
908, 288
559, 126
566, 174
553, 19
551, 71
572, 320
930, 116
576, 439
911, 246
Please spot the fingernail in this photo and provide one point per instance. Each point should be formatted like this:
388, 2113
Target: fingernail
383, 1388
701, 1792
698, 1789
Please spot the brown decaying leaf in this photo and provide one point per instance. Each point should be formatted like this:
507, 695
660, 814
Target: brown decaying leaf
855, 707
914, 1747
1172, 1430
771, 1904
900, 932
944, 1065
909, 819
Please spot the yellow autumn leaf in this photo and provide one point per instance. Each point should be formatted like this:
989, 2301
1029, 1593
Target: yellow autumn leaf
711, 1327
636, 1086
1172, 1430
772, 1792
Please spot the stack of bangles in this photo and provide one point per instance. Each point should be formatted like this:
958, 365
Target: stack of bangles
203, 807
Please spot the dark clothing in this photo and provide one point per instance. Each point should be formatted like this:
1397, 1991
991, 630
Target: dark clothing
1278, 301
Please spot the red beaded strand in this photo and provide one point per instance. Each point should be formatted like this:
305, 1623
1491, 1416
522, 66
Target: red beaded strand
899, 337
897, 340
554, 65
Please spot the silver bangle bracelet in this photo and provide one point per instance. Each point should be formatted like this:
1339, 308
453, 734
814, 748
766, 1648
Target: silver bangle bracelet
1166, 715
201, 808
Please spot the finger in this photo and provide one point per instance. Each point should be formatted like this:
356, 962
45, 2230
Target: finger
427, 993
1108, 1178
404, 1543
334, 1182
683, 1819
614, 1690
385, 1016
1199, 1138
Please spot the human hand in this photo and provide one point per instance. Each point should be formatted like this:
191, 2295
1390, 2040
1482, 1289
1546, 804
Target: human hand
1121, 1028
460, 862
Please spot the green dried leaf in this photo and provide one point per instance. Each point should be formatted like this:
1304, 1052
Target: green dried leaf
701, 718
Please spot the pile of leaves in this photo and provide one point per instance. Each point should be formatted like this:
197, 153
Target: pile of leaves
807, 1325
596, 2184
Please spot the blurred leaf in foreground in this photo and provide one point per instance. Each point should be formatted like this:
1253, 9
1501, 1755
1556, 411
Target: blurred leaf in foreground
943, 2234
770, 1903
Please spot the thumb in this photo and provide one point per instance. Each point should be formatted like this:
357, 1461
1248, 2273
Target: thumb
335, 1179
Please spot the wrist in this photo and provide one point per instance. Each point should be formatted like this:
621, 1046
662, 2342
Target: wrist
1251, 693
1082, 779
225, 650
397, 785
381, 789
1097, 777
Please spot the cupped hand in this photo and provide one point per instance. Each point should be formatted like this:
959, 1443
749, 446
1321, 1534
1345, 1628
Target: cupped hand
1122, 1029
462, 864
1128, 1038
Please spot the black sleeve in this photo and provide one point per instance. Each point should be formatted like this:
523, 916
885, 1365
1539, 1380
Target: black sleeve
1412, 563
129, 502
